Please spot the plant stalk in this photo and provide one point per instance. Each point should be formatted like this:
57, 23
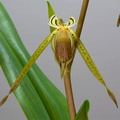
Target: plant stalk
67, 79
82, 17
69, 94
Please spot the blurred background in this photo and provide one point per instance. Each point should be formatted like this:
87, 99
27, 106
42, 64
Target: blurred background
101, 37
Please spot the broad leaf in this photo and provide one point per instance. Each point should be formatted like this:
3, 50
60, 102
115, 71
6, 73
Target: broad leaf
38, 97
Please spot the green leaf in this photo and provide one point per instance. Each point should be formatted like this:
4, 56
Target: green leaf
50, 13
83, 111
11, 68
38, 97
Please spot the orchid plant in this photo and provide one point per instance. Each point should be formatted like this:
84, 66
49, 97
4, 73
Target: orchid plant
64, 43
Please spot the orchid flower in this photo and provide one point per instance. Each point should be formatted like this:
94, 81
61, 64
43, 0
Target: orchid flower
64, 43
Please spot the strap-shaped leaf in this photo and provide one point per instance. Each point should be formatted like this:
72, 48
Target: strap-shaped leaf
36, 89
28, 65
26, 94
89, 62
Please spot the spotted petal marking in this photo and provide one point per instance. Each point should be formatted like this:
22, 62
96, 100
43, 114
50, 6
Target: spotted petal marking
89, 62
28, 65
82, 50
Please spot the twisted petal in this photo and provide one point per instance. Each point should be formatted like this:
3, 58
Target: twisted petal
71, 22
55, 22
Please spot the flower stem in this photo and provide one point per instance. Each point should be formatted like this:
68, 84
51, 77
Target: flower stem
67, 80
69, 94
82, 17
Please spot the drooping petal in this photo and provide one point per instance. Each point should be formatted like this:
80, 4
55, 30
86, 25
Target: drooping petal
28, 65
89, 62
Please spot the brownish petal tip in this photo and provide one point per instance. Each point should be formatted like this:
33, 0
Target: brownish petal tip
3, 100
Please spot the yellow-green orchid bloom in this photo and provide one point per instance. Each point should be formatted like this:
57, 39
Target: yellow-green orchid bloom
64, 43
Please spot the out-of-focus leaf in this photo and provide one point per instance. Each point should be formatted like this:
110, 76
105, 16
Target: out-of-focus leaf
38, 97
83, 111
50, 13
